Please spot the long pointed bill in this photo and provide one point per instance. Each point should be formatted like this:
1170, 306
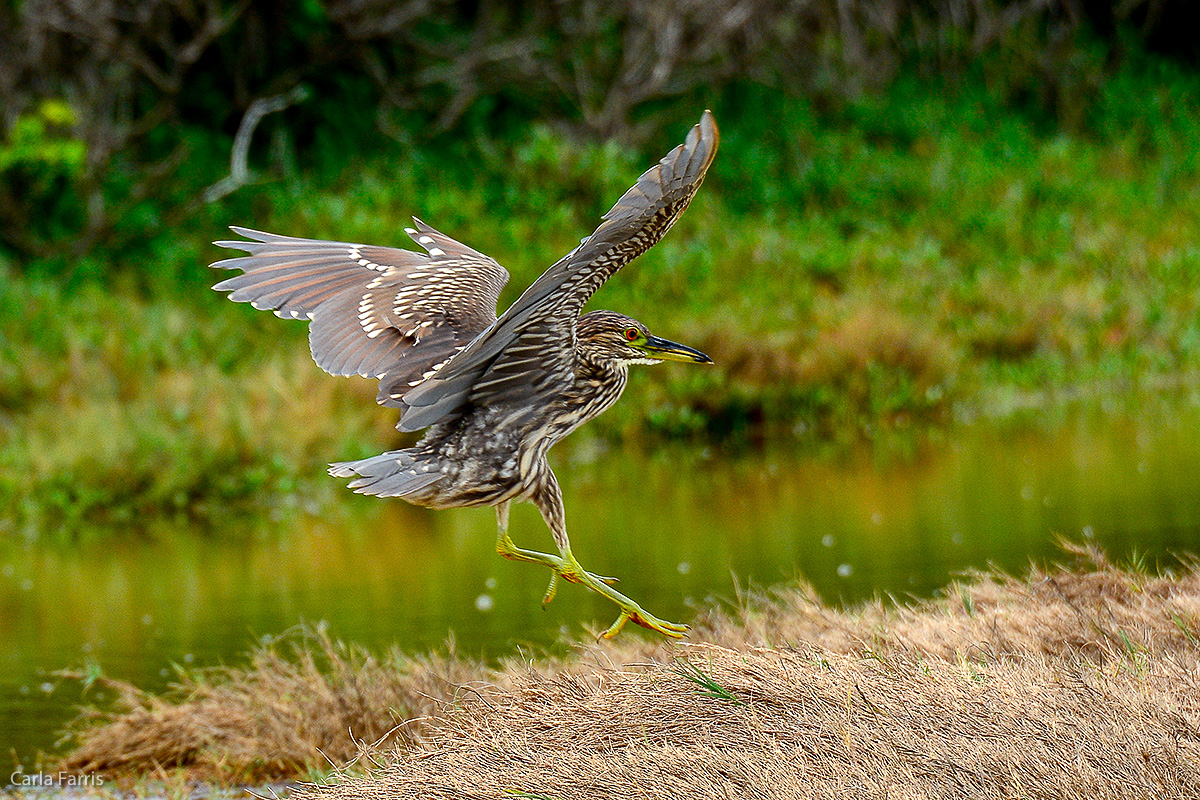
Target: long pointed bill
667, 350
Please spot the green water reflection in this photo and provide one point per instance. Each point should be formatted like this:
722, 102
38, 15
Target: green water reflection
677, 526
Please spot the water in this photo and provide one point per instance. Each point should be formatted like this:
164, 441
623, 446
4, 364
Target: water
679, 526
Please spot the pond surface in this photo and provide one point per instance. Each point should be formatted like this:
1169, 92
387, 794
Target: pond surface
679, 526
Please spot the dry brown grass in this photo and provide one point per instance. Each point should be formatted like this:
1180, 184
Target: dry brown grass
1072, 682
298, 705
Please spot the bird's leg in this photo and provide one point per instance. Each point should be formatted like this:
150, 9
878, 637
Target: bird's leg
548, 499
506, 548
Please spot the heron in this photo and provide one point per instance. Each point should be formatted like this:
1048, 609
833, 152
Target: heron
493, 393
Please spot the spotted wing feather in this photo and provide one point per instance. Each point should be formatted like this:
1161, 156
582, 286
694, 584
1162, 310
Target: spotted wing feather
380, 312
529, 351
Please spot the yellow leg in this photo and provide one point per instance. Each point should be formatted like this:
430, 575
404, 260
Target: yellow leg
506, 548
548, 499
630, 611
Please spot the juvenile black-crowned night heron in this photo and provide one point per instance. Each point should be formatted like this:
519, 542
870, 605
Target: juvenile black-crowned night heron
494, 393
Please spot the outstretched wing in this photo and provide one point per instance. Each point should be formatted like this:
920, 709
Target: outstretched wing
378, 312
530, 349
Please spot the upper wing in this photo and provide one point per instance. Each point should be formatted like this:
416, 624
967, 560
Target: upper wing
530, 349
378, 312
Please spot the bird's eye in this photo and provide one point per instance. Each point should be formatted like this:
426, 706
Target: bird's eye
632, 334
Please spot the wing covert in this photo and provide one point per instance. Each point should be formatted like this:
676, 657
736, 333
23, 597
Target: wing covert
380, 312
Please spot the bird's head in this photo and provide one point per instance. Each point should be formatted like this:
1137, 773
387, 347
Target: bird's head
609, 337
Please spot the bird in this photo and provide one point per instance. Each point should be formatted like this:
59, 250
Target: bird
493, 393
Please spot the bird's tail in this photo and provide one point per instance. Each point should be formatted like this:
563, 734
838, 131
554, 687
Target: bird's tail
393, 474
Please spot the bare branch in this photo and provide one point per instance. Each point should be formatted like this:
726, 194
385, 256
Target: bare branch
239, 167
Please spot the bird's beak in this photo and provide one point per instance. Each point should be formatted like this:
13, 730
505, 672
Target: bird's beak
667, 350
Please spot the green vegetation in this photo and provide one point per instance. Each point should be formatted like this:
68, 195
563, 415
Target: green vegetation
897, 259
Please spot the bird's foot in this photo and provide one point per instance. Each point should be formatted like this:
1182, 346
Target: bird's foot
630, 611
647, 620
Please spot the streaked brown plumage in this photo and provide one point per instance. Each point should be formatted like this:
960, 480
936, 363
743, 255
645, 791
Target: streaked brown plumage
494, 393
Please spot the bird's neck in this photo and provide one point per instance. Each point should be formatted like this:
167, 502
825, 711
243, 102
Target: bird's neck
598, 384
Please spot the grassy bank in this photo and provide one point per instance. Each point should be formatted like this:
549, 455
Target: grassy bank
1076, 681
888, 262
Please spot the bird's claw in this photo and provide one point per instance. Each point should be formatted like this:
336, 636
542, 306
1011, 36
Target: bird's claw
551, 590
639, 616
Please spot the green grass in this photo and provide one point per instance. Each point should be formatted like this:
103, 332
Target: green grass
873, 267
707, 685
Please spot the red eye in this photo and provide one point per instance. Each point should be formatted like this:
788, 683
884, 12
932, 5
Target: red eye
632, 334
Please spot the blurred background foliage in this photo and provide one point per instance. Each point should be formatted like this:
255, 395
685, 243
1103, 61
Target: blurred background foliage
119, 114
921, 211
